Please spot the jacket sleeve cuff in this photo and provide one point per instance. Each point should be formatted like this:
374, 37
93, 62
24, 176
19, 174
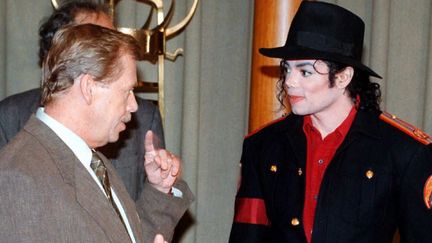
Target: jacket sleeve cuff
160, 212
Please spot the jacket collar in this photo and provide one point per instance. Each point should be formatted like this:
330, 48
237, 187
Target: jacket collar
291, 128
365, 124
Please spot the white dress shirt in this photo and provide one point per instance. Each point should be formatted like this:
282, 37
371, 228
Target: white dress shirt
84, 155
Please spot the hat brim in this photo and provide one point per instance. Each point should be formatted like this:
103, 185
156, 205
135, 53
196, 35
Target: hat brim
299, 53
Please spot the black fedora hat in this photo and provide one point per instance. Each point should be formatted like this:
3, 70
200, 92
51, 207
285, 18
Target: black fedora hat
324, 31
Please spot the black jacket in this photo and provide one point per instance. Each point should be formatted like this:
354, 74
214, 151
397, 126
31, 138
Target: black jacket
373, 185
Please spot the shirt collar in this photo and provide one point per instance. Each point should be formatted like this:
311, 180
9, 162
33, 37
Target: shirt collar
341, 130
72, 140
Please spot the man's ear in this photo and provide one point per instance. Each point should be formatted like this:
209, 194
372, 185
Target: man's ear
87, 85
344, 77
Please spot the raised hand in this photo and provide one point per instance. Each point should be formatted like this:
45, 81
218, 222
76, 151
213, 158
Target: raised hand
161, 166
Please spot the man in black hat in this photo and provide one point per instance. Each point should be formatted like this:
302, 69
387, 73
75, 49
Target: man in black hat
337, 169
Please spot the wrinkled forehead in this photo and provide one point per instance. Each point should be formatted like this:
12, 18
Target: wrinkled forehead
100, 19
126, 71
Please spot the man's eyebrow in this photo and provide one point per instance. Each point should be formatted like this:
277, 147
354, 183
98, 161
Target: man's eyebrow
303, 64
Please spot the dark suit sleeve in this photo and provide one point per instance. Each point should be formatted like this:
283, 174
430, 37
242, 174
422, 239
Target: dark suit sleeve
416, 218
157, 127
250, 222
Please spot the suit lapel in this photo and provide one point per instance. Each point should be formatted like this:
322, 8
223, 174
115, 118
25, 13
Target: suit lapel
88, 194
364, 124
92, 200
293, 131
126, 201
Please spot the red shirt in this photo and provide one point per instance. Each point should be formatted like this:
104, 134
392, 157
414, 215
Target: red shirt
319, 154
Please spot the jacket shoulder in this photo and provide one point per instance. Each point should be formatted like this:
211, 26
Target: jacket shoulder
15, 110
28, 100
405, 127
29, 95
145, 105
266, 127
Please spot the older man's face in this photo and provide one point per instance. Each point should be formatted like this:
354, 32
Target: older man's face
117, 103
114, 103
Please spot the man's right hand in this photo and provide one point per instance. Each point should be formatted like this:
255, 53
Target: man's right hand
161, 166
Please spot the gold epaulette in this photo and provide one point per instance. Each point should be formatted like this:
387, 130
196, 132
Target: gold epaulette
264, 126
407, 128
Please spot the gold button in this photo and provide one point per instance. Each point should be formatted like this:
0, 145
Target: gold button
369, 174
295, 222
300, 172
273, 168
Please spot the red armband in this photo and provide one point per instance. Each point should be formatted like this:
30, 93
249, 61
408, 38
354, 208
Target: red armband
250, 211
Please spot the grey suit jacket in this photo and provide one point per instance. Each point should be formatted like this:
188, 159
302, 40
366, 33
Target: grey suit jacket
46, 195
127, 154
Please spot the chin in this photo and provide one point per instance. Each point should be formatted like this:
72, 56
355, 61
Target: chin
300, 112
114, 138
297, 111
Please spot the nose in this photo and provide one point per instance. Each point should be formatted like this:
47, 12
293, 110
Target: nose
291, 81
132, 103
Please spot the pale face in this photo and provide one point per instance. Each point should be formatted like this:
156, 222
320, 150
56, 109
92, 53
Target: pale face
114, 103
308, 88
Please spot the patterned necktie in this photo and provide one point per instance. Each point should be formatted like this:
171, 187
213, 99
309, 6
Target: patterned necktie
101, 173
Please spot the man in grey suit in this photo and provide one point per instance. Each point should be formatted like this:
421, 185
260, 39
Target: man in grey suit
50, 189
127, 153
